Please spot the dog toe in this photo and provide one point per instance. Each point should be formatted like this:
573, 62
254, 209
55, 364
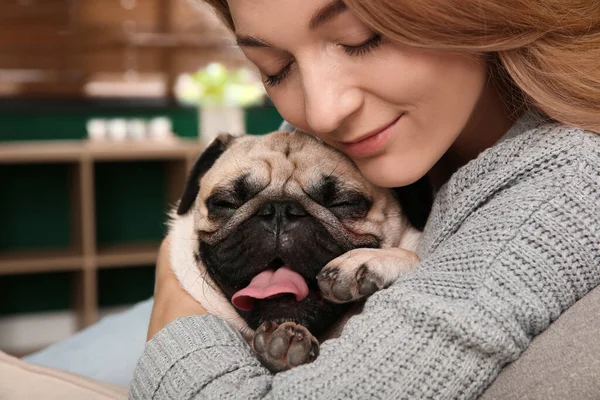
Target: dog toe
278, 347
281, 347
341, 290
367, 282
334, 285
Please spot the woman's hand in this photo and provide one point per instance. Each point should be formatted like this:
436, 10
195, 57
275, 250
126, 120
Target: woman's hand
170, 300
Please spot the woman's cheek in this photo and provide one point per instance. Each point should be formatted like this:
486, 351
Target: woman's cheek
290, 105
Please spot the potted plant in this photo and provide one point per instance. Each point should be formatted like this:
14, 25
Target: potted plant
221, 95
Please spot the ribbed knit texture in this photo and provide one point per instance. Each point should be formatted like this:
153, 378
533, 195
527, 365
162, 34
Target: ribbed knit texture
513, 240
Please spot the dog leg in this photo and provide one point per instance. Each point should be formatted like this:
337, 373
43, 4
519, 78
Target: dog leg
280, 347
361, 272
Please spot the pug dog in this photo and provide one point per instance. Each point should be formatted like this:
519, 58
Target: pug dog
282, 237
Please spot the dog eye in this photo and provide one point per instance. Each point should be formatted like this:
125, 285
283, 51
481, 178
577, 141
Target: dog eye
214, 204
343, 204
349, 200
354, 206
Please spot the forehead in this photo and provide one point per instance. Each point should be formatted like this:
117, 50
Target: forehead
282, 159
258, 16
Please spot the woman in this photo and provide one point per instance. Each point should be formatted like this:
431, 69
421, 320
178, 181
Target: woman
497, 102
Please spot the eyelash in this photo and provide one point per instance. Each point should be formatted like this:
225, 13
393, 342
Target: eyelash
360, 50
273, 80
363, 48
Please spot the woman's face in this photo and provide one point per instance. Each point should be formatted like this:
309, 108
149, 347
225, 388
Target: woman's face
392, 109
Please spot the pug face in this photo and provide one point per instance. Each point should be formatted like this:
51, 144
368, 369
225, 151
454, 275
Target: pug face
283, 202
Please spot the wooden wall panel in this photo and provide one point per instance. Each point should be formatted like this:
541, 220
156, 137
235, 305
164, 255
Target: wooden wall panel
119, 60
69, 41
27, 61
190, 60
113, 12
45, 10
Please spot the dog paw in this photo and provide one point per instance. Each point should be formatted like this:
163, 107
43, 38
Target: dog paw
361, 272
280, 347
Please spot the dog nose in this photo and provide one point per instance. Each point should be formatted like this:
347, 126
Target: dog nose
278, 214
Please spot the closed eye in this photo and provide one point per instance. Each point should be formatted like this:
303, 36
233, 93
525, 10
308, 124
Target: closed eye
223, 204
351, 206
359, 50
215, 203
356, 201
363, 48
343, 204
272, 80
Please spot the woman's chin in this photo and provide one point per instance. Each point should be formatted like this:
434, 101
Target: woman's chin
390, 174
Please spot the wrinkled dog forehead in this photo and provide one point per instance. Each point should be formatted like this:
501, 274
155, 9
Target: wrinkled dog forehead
281, 165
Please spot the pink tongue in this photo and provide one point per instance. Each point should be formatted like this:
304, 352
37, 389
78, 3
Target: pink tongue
271, 283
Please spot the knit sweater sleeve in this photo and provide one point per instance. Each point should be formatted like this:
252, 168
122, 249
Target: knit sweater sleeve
491, 279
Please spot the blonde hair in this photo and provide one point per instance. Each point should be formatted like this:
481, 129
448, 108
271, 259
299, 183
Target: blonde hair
548, 50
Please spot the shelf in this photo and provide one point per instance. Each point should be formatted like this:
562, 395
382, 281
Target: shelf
77, 150
127, 255
40, 152
115, 196
32, 261
120, 255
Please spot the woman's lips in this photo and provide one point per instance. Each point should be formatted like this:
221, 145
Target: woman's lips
370, 143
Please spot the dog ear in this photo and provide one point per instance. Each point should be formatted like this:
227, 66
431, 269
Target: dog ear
416, 201
202, 165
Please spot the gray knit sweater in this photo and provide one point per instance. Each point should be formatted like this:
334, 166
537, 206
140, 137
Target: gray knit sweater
513, 240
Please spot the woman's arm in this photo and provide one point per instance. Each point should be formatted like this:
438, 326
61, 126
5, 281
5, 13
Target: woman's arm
170, 300
444, 331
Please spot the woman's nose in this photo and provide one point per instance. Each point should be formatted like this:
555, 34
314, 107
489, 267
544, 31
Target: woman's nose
330, 96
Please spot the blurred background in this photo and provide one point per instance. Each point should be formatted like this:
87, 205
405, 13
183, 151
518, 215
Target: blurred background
104, 106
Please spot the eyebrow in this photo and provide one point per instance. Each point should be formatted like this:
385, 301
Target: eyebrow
327, 13
321, 17
251, 41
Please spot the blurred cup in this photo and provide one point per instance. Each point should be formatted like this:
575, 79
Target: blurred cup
136, 129
96, 129
160, 128
117, 129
